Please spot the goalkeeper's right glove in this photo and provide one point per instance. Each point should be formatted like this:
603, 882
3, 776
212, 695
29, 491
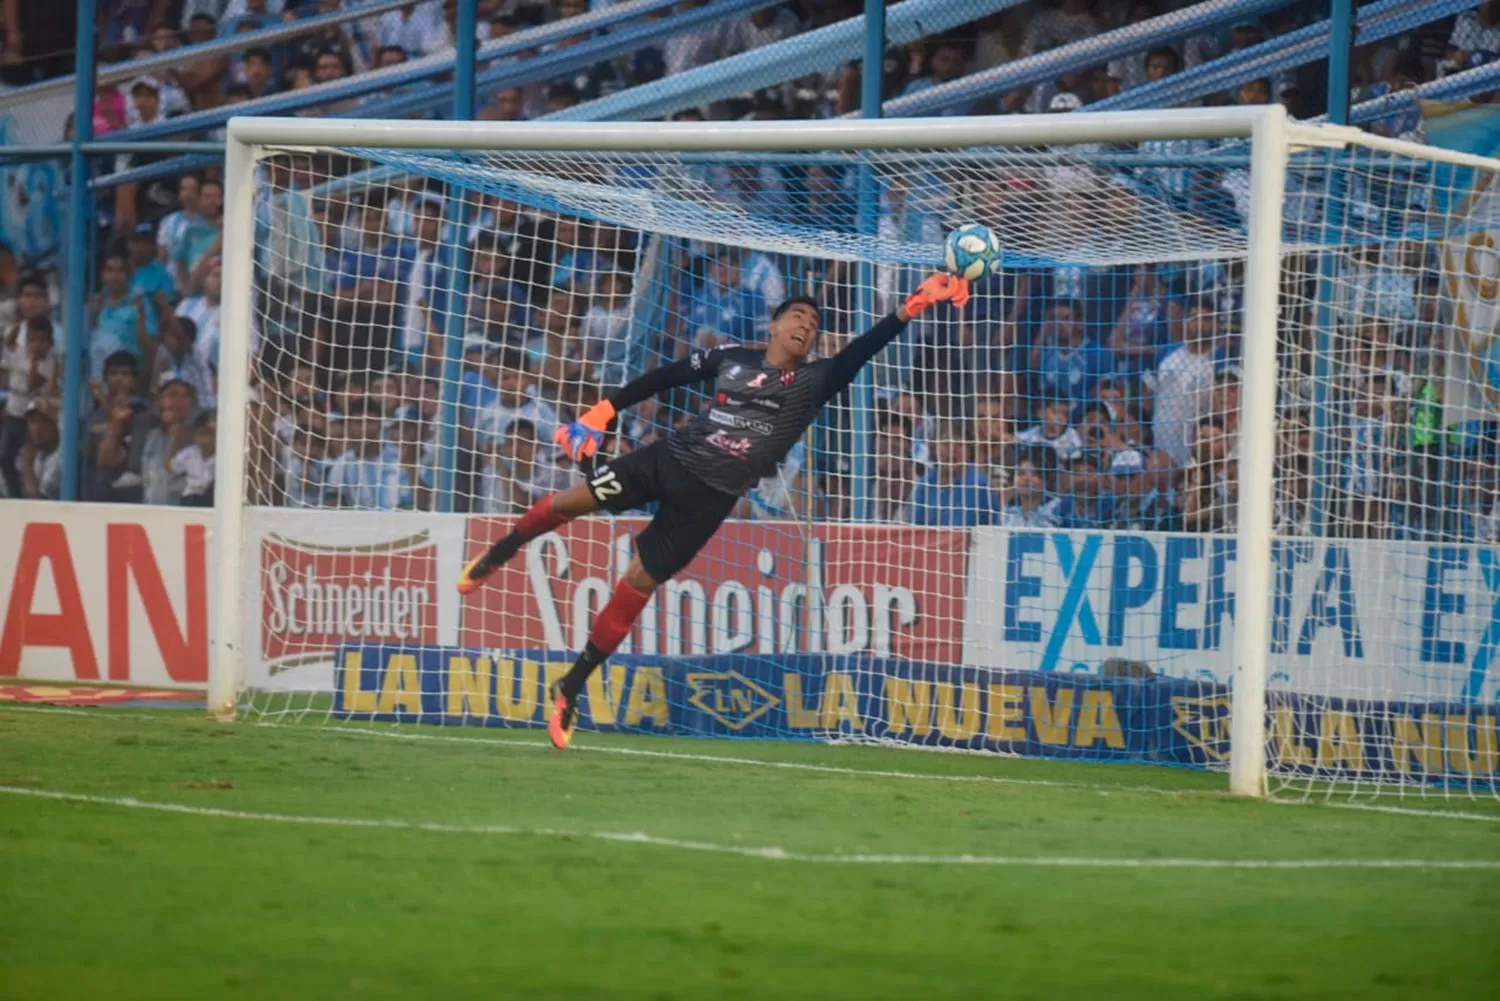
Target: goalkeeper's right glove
940, 287
582, 437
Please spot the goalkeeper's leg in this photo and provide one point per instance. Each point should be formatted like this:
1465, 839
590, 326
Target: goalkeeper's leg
689, 515
543, 516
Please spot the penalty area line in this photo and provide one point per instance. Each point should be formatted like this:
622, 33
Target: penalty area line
768, 852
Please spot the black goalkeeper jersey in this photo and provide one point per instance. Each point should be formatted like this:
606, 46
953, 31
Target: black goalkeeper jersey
757, 412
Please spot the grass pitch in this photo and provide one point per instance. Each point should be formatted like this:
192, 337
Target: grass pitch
191, 859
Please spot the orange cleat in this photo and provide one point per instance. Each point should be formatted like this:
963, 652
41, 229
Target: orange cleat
564, 715
473, 577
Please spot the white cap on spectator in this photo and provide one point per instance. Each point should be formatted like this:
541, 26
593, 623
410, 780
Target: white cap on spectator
1064, 101
146, 81
477, 342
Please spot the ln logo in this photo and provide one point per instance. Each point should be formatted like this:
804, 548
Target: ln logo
730, 697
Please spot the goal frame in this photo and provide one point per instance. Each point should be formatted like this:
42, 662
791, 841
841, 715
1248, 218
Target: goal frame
1266, 128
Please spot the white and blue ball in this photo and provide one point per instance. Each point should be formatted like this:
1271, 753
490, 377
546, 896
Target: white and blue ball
972, 252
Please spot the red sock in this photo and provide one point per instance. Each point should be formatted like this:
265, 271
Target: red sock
613, 624
538, 520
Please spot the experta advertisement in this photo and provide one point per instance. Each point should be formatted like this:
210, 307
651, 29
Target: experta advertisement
104, 593
1398, 621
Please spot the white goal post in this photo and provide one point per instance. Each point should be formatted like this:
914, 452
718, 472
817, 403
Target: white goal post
553, 170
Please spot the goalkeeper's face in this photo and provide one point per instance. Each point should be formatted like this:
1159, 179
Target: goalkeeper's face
795, 331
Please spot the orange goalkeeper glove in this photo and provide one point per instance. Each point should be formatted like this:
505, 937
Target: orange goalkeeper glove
582, 437
940, 287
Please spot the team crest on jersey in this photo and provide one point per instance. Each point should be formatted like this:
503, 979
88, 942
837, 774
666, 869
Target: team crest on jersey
788, 376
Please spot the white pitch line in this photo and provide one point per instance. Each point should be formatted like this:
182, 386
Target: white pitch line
104, 712
800, 766
769, 852
1411, 811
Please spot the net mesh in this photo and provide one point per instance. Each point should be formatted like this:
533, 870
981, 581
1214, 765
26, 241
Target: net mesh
1013, 534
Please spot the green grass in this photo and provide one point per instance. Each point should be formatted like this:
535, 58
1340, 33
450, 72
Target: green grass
110, 900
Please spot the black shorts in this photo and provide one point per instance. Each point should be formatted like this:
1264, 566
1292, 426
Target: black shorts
688, 514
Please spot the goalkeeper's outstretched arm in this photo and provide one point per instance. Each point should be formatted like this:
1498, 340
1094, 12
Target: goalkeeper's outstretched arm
583, 437
936, 288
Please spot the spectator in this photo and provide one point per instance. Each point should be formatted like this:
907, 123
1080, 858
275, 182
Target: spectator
1054, 431
1203, 507
415, 29
143, 201
896, 472
203, 79
422, 282
195, 463
948, 61
685, 50
1368, 459
1068, 21
368, 475
375, 265
1184, 382
33, 302
38, 41
562, 96
202, 238
497, 308
138, 446
763, 27
1130, 71
202, 311
1404, 121
118, 324
389, 55
259, 73
1254, 92
515, 399
606, 327
556, 351
1145, 324
519, 472
1476, 30
176, 360
505, 106
337, 38
721, 309
1067, 361
174, 100
41, 458
32, 375
114, 395
955, 492
1025, 503
148, 276
173, 228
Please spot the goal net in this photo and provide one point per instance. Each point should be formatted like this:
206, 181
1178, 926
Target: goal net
1082, 517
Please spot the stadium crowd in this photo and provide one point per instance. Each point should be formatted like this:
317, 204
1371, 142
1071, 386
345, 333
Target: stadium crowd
1071, 396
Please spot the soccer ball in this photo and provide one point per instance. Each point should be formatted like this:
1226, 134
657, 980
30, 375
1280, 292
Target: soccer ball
972, 252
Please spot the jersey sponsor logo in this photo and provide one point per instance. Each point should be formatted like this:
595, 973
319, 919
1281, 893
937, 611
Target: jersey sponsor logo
730, 444
314, 596
736, 421
757, 382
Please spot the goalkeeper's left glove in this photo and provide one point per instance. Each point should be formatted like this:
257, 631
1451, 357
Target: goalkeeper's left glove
940, 287
582, 437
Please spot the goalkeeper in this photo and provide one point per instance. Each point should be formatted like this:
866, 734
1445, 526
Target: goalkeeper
762, 403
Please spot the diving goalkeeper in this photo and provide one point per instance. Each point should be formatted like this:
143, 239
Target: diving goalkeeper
762, 403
